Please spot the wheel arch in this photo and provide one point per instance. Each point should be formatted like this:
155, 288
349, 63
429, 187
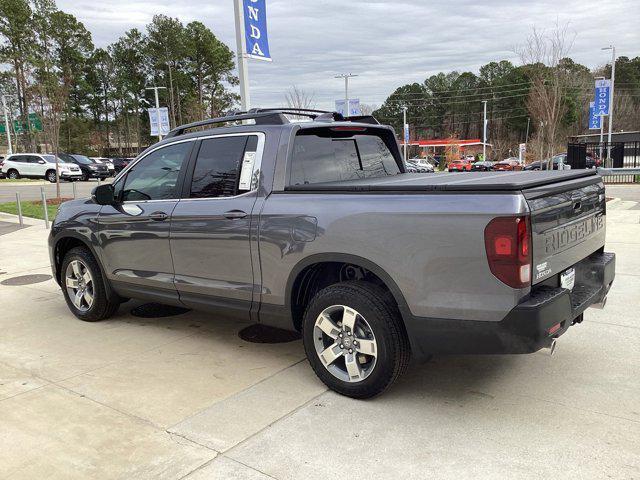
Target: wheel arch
297, 278
66, 242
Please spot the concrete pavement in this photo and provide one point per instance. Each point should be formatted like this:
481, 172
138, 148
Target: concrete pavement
184, 397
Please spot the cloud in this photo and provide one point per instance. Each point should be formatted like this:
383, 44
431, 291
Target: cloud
387, 43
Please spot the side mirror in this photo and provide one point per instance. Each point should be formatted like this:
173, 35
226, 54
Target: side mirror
103, 194
41, 162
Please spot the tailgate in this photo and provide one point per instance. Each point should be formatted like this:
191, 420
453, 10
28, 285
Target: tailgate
567, 223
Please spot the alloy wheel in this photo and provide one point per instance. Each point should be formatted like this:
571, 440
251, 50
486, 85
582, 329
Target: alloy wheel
345, 343
79, 283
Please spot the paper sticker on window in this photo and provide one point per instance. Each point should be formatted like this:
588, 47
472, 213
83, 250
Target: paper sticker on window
247, 170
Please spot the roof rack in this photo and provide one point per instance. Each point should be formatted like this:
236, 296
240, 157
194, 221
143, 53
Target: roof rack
273, 116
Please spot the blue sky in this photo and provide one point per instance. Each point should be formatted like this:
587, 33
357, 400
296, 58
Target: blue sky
387, 43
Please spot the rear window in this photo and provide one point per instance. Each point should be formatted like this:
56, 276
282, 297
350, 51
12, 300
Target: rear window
322, 155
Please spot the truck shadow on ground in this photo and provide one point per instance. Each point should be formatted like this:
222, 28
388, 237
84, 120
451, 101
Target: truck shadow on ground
441, 379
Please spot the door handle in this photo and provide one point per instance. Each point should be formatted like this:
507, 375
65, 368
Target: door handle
235, 214
158, 216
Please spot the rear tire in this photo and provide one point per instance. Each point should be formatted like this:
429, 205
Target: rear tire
13, 174
360, 318
84, 287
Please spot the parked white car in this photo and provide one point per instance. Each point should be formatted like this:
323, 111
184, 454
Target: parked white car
107, 162
422, 165
37, 165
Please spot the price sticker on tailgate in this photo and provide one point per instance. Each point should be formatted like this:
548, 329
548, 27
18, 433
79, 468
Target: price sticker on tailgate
568, 278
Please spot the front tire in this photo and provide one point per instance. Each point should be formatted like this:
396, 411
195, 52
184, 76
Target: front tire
51, 176
354, 339
84, 288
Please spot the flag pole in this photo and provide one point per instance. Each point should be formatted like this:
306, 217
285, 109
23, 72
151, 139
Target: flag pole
243, 67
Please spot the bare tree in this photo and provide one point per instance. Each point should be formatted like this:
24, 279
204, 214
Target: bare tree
297, 98
367, 109
542, 54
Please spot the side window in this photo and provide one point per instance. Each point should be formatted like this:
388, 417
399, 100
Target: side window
155, 177
224, 167
33, 159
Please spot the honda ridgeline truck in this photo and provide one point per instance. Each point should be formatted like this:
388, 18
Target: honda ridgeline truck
314, 226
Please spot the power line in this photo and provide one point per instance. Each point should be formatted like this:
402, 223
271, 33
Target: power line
437, 101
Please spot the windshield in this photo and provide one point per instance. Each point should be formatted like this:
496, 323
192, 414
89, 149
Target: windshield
82, 159
49, 158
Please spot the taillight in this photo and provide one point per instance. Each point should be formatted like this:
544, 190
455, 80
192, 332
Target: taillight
507, 241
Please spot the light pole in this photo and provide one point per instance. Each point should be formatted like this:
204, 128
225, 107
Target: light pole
484, 132
613, 81
601, 124
346, 77
243, 67
155, 91
6, 122
405, 131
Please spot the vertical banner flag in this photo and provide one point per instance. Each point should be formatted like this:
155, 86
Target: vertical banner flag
594, 117
255, 29
354, 107
159, 126
603, 90
406, 133
341, 107
522, 152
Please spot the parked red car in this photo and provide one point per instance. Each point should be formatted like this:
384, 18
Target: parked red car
507, 165
460, 166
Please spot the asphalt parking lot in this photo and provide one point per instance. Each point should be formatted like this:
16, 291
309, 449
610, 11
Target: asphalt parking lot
184, 397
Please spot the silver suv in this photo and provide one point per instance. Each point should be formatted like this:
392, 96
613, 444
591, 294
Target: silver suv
37, 165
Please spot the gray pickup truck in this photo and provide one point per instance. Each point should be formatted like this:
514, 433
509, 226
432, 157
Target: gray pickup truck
314, 226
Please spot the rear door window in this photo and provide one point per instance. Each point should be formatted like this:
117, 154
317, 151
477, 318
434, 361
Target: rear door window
320, 156
224, 167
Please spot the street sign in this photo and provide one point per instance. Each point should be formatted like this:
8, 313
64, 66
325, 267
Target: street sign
35, 124
255, 29
19, 127
603, 91
594, 117
162, 126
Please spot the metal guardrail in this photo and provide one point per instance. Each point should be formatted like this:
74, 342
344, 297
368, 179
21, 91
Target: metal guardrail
607, 172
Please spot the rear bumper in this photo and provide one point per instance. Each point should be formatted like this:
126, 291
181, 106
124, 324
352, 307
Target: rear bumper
525, 329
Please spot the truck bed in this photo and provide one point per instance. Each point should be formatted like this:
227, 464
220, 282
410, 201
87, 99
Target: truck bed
467, 181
